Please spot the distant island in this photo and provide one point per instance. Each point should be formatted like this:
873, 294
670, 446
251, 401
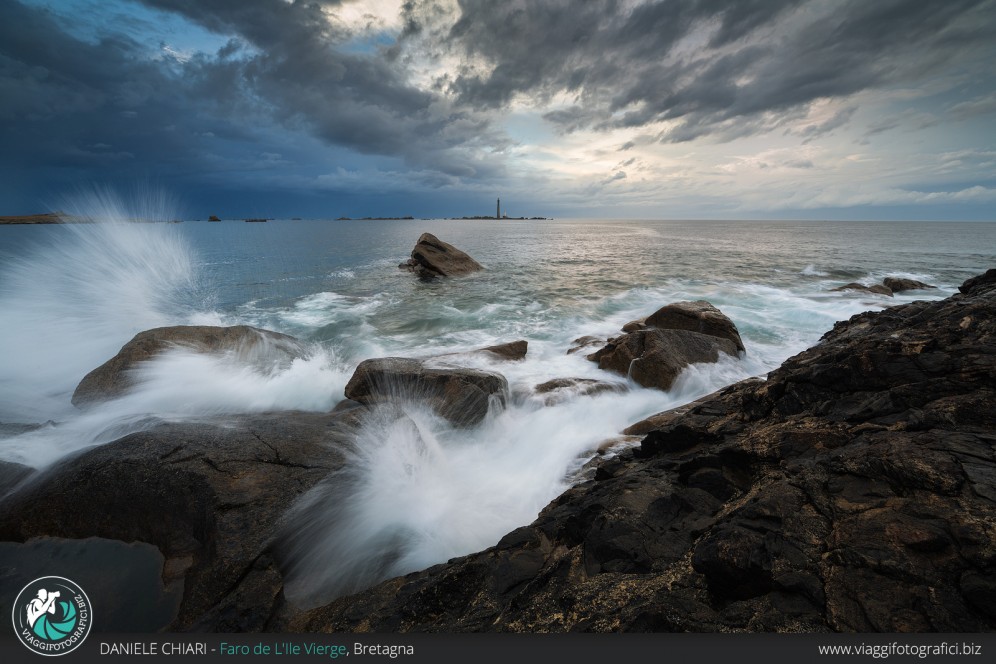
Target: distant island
499, 215
63, 218
45, 218
375, 218
506, 217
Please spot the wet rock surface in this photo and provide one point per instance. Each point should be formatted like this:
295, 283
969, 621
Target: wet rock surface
653, 351
209, 496
698, 316
462, 396
655, 358
877, 289
433, 258
249, 344
560, 389
854, 490
898, 284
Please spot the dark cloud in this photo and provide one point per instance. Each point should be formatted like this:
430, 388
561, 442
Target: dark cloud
283, 74
300, 71
710, 64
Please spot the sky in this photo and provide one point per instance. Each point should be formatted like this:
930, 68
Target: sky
663, 109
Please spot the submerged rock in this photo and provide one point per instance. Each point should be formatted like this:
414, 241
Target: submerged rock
512, 351
251, 345
460, 395
559, 389
432, 258
877, 289
898, 285
583, 343
854, 490
209, 496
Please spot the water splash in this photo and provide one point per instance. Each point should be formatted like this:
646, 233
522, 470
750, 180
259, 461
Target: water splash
71, 304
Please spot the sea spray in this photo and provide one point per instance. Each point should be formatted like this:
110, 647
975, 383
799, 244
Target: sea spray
417, 491
180, 385
69, 305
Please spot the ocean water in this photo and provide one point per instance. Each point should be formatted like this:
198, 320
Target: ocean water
71, 296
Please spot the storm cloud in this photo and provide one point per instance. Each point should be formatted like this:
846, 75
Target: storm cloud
706, 63
448, 96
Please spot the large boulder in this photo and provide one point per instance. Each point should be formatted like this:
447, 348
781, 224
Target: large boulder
854, 490
655, 358
698, 316
898, 284
209, 496
462, 396
251, 345
433, 258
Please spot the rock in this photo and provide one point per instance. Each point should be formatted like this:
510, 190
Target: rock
432, 258
853, 490
698, 316
878, 289
248, 344
559, 389
462, 396
12, 474
661, 420
581, 343
985, 280
515, 350
512, 351
213, 218
898, 285
655, 357
635, 325
209, 496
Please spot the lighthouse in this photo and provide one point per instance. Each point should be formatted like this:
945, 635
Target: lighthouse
498, 211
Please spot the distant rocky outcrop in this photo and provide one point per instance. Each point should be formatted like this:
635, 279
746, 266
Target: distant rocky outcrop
854, 490
667, 341
214, 218
250, 344
433, 258
889, 286
460, 395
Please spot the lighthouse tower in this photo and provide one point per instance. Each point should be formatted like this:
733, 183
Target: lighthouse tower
498, 211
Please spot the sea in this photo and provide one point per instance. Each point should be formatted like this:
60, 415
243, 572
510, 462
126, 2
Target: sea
71, 295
